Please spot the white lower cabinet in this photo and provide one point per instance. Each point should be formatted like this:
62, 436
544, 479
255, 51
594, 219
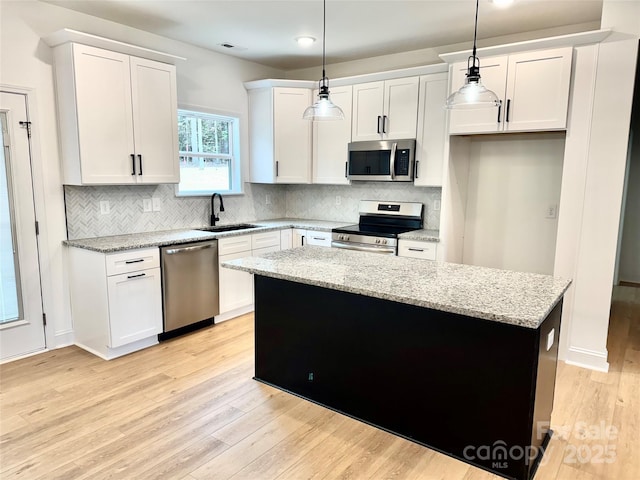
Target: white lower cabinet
116, 300
286, 239
236, 287
417, 249
317, 238
302, 237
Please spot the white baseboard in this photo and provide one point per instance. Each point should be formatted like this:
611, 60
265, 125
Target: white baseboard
62, 339
591, 359
233, 313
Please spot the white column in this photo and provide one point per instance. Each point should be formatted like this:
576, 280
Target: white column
595, 161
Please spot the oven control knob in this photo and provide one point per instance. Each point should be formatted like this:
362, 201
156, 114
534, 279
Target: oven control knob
377, 240
384, 242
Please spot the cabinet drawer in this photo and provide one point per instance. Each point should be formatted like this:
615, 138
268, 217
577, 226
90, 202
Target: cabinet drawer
416, 249
266, 239
238, 244
319, 239
132, 260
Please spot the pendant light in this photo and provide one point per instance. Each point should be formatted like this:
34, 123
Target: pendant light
324, 108
473, 94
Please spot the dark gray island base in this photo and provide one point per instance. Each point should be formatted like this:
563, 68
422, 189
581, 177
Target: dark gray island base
458, 358
476, 389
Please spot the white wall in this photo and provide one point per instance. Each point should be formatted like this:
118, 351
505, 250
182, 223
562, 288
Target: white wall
206, 78
595, 159
426, 56
513, 180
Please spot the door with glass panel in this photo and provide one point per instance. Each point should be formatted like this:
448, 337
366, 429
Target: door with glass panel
21, 320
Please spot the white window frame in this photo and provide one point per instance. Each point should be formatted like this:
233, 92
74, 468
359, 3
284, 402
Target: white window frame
234, 147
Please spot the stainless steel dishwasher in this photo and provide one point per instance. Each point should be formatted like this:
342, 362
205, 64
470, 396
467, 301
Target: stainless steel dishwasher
189, 284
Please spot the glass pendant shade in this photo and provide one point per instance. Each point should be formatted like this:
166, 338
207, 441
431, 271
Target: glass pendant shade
323, 109
473, 94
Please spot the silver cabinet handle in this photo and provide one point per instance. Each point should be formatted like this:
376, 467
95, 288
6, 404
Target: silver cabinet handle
188, 249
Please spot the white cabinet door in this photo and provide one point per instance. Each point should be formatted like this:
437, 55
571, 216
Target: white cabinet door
117, 116
538, 90
298, 239
532, 86
493, 72
104, 116
286, 239
155, 105
400, 114
385, 110
236, 287
368, 101
432, 125
292, 135
330, 142
135, 310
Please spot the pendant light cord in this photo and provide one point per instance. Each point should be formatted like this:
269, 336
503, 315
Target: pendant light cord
324, 31
475, 29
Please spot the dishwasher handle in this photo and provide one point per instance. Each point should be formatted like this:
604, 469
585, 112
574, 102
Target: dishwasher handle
171, 251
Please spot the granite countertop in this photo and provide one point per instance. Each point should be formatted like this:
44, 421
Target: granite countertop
515, 298
423, 235
117, 243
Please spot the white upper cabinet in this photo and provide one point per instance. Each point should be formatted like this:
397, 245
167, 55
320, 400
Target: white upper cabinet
532, 86
432, 126
385, 110
330, 141
118, 117
280, 140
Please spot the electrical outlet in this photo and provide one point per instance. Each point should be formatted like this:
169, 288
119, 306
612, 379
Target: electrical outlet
146, 205
267, 199
436, 205
338, 200
157, 204
551, 338
552, 211
105, 208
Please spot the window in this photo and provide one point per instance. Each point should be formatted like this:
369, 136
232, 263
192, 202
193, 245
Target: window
209, 153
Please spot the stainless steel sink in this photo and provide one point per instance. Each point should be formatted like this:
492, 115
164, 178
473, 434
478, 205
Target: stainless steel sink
228, 228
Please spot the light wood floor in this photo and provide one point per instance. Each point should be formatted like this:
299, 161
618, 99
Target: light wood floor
188, 409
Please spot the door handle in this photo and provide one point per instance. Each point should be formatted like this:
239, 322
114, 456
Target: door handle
134, 261
140, 162
136, 276
379, 118
384, 124
133, 164
346, 169
416, 168
499, 110
508, 109
187, 249
276, 168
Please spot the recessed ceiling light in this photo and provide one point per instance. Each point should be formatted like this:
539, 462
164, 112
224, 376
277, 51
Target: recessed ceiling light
305, 42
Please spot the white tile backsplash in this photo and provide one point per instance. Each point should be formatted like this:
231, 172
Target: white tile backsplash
127, 215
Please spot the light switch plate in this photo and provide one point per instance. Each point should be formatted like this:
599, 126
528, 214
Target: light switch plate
551, 338
146, 205
157, 204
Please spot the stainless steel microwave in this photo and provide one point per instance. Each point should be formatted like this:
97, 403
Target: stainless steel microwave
382, 160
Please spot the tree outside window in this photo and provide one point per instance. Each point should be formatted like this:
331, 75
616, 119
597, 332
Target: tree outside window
208, 153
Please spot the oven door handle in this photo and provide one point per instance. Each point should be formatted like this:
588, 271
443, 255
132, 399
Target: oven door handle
360, 248
392, 166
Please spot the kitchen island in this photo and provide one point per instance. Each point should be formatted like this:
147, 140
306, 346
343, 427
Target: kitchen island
458, 358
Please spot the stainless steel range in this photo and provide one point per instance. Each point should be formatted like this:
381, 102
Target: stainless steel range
379, 226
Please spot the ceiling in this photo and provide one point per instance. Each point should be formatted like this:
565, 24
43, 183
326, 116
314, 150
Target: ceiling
264, 31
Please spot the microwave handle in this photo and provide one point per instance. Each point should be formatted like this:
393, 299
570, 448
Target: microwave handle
394, 147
